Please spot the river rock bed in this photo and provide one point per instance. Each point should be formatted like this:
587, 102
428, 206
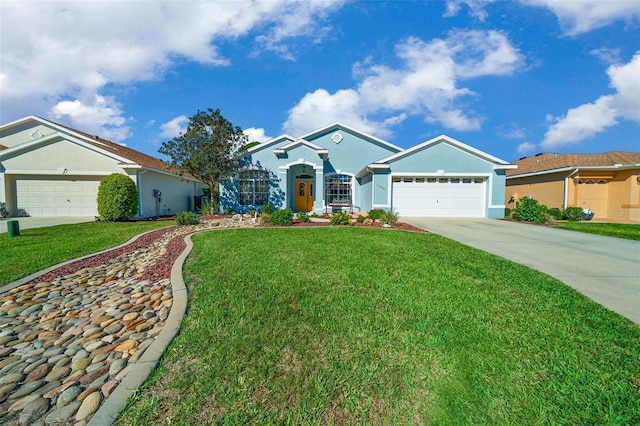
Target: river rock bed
69, 337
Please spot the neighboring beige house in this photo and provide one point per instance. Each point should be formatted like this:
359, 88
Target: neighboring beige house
47, 169
607, 184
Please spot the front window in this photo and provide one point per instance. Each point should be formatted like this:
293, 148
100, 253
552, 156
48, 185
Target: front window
338, 190
254, 188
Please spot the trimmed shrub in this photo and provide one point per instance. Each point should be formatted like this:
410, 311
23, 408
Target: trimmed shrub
304, 217
187, 218
375, 214
117, 198
555, 213
267, 209
572, 213
529, 210
282, 217
507, 212
341, 218
361, 219
390, 218
265, 218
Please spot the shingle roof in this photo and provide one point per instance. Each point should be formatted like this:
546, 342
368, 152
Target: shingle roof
551, 161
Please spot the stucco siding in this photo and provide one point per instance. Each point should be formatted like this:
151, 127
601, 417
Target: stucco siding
177, 195
381, 190
58, 156
547, 189
352, 152
366, 192
624, 196
441, 157
24, 132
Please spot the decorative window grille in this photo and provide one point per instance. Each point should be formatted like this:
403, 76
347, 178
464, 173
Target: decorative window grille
338, 190
254, 187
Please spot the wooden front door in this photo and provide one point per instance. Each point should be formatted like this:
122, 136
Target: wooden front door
303, 195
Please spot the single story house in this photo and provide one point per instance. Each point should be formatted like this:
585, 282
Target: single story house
47, 169
340, 168
608, 184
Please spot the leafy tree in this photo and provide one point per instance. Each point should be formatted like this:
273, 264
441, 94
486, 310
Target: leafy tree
117, 198
207, 149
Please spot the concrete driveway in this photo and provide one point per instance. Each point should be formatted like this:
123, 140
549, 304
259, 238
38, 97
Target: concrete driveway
43, 221
603, 268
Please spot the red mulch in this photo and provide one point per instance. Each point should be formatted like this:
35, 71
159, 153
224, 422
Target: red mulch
162, 269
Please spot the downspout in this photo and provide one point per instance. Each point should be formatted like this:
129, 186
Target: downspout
139, 181
566, 188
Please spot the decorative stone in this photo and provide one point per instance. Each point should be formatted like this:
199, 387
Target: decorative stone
108, 388
68, 396
11, 378
80, 364
39, 372
33, 411
128, 344
63, 415
89, 406
57, 373
27, 389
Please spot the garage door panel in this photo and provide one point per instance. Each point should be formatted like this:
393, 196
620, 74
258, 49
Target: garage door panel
444, 197
42, 197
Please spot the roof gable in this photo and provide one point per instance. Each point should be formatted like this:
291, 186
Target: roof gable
336, 126
281, 151
449, 141
127, 156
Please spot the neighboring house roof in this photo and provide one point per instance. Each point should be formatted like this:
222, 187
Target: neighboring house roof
552, 162
133, 158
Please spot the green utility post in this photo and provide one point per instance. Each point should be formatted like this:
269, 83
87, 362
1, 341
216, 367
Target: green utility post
13, 228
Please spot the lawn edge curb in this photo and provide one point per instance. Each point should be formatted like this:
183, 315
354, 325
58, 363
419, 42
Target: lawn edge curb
113, 405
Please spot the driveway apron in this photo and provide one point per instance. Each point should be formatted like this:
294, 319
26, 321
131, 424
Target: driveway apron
605, 269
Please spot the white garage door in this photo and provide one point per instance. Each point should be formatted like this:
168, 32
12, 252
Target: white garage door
58, 197
439, 197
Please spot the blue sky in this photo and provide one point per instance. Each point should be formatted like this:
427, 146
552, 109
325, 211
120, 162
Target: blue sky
510, 78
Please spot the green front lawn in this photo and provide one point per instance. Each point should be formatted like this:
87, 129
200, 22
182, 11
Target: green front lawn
370, 326
618, 230
39, 248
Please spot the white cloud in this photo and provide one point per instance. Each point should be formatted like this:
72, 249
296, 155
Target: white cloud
427, 84
587, 120
174, 127
608, 56
581, 123
101, 116
526, 148
303, 21
578, 17
514, 133
256, 134
55, 51
320, 108
476, 8
626, 80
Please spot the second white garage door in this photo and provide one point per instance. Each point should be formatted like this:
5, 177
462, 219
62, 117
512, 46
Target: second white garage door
44, 197
439, 197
